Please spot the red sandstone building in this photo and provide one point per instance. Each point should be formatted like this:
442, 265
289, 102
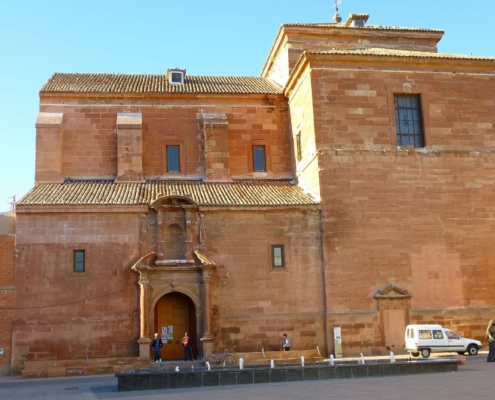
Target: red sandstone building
351, 185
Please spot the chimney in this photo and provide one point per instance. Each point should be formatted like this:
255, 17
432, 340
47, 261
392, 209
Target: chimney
357, 20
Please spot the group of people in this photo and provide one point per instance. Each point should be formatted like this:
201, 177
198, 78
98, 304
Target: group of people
157, 345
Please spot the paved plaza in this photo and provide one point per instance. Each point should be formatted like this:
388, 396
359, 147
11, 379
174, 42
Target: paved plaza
473, 380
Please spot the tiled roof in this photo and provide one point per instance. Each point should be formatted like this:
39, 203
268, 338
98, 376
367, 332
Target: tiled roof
401, 53
236, 194
142, 83
366, 27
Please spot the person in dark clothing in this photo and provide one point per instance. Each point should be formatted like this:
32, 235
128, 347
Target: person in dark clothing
157, 345
186, 342
490, 333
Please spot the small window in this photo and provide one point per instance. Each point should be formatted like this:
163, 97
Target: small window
298, 147
259, 159
437, 334
278, 256
176, 77
408, 120
79, 261
425, 334
173, 159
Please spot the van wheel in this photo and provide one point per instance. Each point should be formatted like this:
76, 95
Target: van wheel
472, 350
425, 353
461, 353
415, 353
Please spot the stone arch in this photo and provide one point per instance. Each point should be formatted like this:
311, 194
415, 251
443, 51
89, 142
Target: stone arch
159, 293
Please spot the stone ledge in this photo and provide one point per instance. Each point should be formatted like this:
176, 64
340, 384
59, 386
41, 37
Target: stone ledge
201, 377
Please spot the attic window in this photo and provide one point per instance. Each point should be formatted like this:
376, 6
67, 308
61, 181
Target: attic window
176, 77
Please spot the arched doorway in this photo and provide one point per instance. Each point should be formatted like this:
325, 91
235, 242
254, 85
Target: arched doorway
175, 314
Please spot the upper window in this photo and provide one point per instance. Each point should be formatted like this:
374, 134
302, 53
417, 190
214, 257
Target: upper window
259, 158
278, 256
298, 147
79, 261
408, 120
173, 159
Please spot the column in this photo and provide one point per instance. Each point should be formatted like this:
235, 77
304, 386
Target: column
205, 283
144, 304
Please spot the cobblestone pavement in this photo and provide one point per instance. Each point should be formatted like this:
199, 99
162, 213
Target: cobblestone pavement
473, 380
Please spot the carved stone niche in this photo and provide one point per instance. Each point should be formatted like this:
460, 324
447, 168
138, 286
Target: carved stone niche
176, 230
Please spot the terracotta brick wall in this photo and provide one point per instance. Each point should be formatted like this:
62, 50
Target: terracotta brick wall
62, 314
89, 143
415, 220
253, 303
7, 257
302, 123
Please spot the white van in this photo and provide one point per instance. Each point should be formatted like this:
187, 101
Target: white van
426, 339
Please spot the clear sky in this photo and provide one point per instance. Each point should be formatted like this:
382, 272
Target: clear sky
216, 37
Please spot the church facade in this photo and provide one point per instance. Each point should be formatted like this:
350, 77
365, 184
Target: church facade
350, 186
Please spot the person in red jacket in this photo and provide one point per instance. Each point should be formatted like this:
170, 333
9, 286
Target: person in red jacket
186, 342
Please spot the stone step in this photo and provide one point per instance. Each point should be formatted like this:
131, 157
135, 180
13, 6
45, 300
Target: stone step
79, 367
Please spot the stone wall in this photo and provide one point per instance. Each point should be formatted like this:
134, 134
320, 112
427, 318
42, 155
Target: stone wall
89, 141
254, 303
63, 314
7, 257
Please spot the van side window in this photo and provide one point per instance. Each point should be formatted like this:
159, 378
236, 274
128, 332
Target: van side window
437, 334
451, 335
425, 334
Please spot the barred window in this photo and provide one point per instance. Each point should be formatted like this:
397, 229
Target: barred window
408, 120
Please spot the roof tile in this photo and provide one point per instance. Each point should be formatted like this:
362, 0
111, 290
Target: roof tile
235, 194
142, 83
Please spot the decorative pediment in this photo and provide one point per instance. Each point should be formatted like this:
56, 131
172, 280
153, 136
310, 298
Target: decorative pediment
392, 292
173, 200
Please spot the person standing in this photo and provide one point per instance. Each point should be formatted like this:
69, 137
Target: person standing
186, 342
490, 333
286, 343
157, 345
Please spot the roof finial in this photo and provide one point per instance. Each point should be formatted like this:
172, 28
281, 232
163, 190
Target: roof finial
337, 19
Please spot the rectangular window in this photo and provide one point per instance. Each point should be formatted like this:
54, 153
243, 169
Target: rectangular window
425, 334
259, 159
173, 159
79, 260
278, 256
437, 334
408, 120
298, 147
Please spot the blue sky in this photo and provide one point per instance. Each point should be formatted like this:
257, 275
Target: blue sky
217, 37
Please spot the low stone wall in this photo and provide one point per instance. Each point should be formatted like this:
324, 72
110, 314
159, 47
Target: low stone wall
201, 377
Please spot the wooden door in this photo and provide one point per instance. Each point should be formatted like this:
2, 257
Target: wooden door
394, 326
175, 310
